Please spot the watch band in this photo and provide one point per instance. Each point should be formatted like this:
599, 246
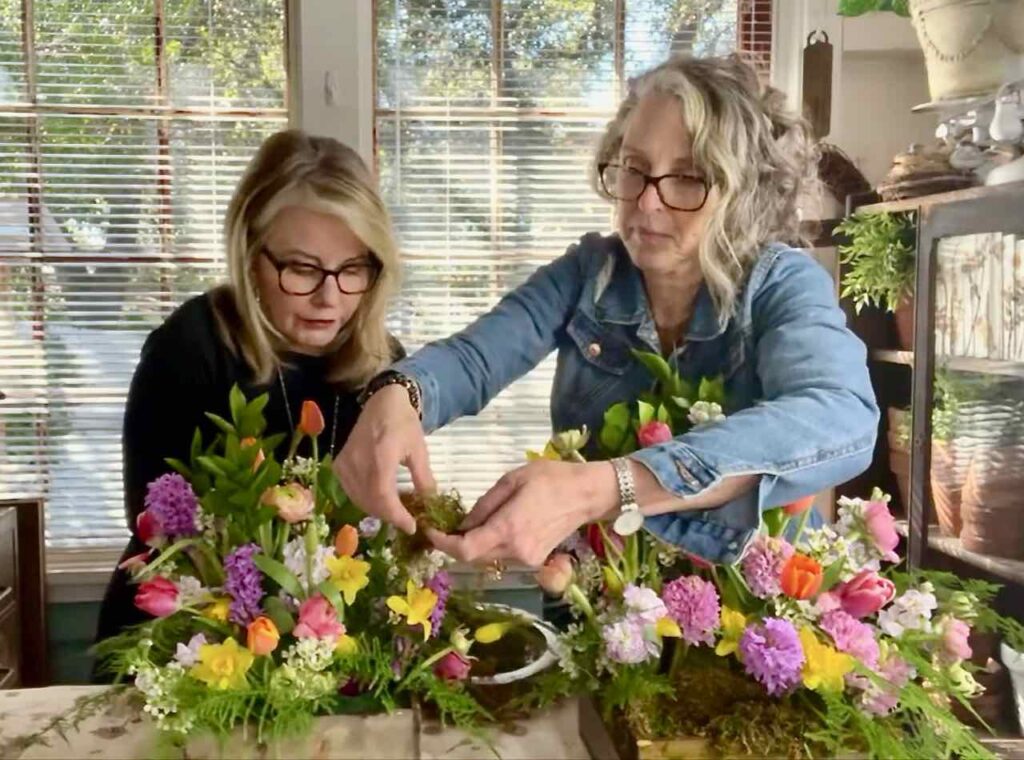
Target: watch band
630, 519
392, 377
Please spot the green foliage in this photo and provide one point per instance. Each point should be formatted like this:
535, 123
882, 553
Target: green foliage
860, 7
879, 259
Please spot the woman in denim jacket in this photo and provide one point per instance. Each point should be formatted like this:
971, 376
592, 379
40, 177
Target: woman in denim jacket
705, 171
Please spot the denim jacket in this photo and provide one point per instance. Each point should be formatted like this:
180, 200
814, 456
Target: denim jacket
800, 409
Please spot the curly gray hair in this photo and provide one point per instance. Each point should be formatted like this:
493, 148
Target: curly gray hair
758, 154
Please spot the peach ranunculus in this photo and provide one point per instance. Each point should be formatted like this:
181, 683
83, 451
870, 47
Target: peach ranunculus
262, 636
801, 577
311, 419
293, 501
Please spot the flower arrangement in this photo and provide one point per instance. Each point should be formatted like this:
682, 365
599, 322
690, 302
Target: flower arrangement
813, 644
274, 599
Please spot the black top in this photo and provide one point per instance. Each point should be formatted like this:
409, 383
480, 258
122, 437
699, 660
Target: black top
186, 370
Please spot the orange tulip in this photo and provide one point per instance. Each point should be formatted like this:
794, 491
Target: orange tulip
262, 636
346, 541
801, 577
311, 419
799, 506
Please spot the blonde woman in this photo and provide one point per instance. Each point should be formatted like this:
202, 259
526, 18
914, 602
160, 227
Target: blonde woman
312, 265
704, 169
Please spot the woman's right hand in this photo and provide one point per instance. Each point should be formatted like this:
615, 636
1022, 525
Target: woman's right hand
387, 434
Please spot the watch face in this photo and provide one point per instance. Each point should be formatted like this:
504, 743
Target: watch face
628, 523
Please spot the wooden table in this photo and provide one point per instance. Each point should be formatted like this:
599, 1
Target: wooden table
121, 732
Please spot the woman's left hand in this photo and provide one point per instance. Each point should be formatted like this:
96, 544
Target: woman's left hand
530, 511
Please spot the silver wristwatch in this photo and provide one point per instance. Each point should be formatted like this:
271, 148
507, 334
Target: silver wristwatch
630, 519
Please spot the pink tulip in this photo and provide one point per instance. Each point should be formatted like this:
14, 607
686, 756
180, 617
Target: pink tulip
865, 594
881, 527
159, 597
556, 575
318, 620
293, 502
652, 433
150, 530
453, 667
955, 639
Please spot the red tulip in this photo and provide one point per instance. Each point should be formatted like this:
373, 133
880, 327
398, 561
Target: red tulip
150, 530
801, 577
159, 597
311, 419
135, 562
652, 433
865, 594
596, 539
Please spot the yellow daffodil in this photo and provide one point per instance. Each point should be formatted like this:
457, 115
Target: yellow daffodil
415, 607
825, 668
550, 452
349, 575
346, 645
223, 666
733, 625
219, 609
488, 634
667, 628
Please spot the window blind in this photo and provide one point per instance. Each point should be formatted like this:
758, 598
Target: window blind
124, 125
486, 115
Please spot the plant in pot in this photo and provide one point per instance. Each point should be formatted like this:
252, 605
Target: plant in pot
878, 258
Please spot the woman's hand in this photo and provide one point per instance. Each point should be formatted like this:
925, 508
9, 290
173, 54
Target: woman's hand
531, 510
387, 434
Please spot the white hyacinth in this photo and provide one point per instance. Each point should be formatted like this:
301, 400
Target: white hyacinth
910, 612
704, 412
295, 560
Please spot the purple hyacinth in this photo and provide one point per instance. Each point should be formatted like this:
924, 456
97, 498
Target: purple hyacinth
171, 500
762, 565
440, 584
243, 584
772, 654
693, 603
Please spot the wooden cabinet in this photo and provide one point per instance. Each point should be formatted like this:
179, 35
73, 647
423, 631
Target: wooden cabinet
23, 660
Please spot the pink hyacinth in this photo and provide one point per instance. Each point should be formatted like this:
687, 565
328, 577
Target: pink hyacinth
692, 603
762, 565
851, 636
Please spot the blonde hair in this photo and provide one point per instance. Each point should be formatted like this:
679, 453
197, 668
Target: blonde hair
321, 174
758, 154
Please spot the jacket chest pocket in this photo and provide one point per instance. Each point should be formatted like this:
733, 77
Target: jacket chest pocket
599, 346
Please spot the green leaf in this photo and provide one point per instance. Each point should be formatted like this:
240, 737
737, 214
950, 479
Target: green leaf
681, 401
226, 427
646, 412
616, 427
332, 595
280, 574
831, 575
236, 401
657, 366
243, 499
280, 615
663, 415
197, 445
775, 520
210, 465
179, 467
712, 390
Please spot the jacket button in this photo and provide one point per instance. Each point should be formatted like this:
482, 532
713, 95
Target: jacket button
594, 350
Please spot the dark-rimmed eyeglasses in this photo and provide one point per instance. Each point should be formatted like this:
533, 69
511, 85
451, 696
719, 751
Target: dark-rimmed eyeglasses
682, 192
300, 278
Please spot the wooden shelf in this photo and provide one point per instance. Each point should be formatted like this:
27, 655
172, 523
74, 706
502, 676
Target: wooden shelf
958, 363
969, 194
1009, 569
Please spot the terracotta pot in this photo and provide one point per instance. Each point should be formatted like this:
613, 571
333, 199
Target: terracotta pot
904, 320
991, 509
947, 489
